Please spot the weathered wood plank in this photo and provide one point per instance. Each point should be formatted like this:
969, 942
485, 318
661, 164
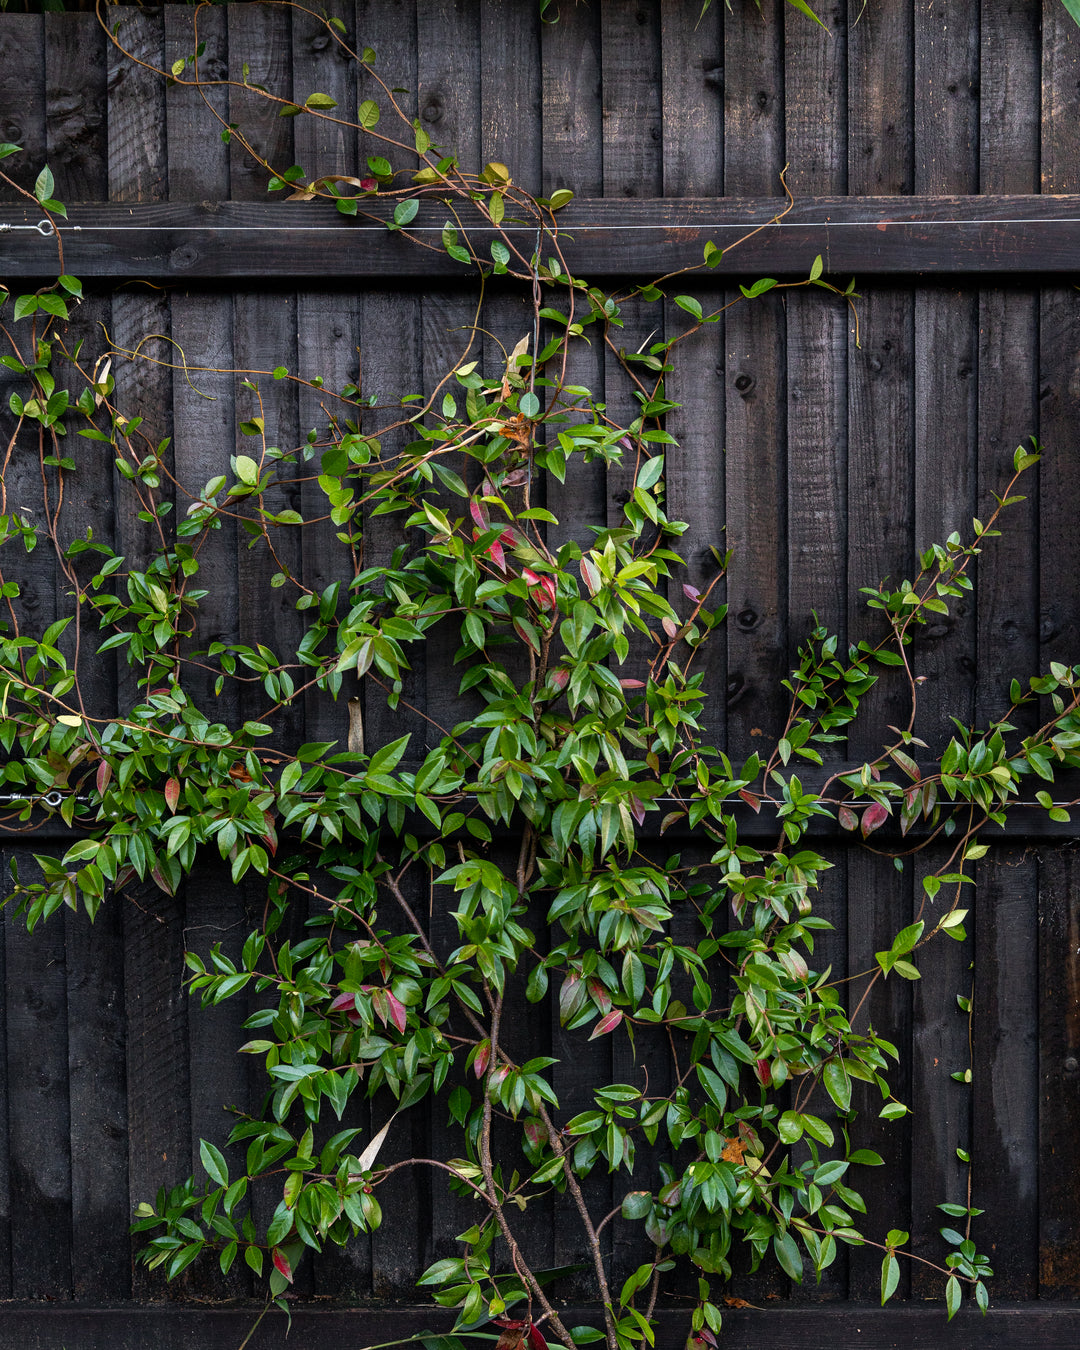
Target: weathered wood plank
880, 98
198, 160
76, 105
872, 236
1059, 1073
572, 110
321, 65
201, 1328
259, 49
630, 71
22, 100
511, 97
137, 165
1060, 147
38, 1122
692, 88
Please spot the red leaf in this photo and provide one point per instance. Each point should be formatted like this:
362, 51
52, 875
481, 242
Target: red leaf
530, 576
873, 818
104, 775
536, 1339
631, 684
590, 575
691, 594
281, 1262
599, 994
369, 184
606, 1024
482, 1058
764, 1073
397, 1012
560, 678
637, 809
751, 799
478, 513
536, 1133
848, 819
495, 553
172, 793
670, 627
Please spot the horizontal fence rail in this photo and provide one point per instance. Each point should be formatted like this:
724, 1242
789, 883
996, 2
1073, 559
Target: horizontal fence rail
928, 236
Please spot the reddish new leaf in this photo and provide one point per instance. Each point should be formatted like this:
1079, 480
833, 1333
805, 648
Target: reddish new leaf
482, 1058
873, 818
281, 1263
104, 775
752, 800
847, 818
764, 1072
172, 793
606, 1024
599, 994
397, 1012
536, 1339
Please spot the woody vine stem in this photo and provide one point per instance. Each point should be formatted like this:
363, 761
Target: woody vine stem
519, 851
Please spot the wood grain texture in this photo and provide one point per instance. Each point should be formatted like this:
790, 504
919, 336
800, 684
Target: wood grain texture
872, 1328
692, 87
22, 100
198, 160
1009, 87
260, 43
137, 170
571, 113
880, 98
641, 239
633, 140
76, 102
39, 1121
1060, 152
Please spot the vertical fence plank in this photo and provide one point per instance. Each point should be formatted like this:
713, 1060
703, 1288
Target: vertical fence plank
633, 139
880, 544
510, 90
1005, 914
946, 343
137, 130
321, 65
1060, 148
75, 104
572, 109
38, 1122
22, 101
1059, 1073
755, 398
198, 159
692, 86
260, 44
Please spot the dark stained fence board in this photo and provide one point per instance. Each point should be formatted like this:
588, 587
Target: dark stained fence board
822, 1328
865, 236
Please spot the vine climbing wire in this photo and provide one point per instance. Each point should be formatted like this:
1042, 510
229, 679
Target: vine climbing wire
532, 826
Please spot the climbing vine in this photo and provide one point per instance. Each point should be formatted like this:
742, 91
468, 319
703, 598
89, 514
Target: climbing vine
415, 892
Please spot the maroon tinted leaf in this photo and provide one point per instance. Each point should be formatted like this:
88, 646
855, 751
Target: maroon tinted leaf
172, 793
281, 1262
482, 1058
536, 1338
752, 800
873, 818
848, 819
397, 1012
606, 1024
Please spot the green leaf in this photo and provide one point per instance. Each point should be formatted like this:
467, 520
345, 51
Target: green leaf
953, 1297
651, 471
405, 211
44, 186
386, 759
890, 1277
368, 114
8, 148
320, 101
214, 1163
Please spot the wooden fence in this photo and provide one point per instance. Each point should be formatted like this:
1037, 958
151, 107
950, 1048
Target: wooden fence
931, 150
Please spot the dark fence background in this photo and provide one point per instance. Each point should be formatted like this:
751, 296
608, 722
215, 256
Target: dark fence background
823, 464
